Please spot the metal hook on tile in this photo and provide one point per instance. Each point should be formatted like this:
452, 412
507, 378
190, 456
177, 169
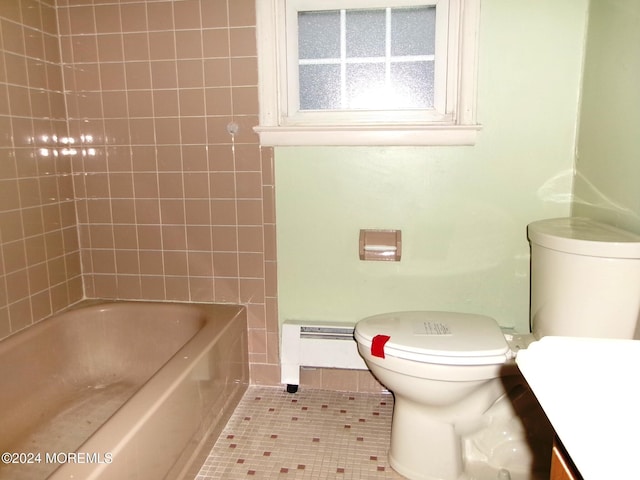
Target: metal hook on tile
232, 128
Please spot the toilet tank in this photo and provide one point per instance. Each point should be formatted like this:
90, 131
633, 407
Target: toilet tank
585, 279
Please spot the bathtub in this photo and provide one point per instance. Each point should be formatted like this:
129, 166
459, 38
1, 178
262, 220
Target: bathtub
120, 390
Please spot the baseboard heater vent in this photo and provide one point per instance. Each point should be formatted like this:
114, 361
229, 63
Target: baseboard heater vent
321, 344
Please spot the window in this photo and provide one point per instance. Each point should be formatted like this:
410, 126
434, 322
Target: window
366, 59
367, 72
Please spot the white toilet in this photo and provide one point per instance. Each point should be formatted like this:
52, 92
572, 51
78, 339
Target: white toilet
462, 411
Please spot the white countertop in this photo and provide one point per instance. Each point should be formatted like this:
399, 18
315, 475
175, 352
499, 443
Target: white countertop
590, 390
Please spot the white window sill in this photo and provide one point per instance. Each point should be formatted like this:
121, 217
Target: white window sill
375, 135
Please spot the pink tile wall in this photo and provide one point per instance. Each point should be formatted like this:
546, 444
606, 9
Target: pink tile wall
39, 256
170, 205
123, 126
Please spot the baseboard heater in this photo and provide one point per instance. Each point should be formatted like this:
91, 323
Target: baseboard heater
316, 344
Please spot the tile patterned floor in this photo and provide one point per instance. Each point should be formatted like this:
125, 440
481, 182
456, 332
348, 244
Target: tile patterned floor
313, 434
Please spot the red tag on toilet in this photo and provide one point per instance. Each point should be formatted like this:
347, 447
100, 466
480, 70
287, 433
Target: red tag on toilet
377, 345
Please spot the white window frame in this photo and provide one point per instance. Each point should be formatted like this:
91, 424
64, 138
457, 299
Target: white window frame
452, 122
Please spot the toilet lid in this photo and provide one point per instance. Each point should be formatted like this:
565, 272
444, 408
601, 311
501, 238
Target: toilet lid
437, 337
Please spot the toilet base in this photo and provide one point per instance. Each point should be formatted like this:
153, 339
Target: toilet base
509, 441
423, 448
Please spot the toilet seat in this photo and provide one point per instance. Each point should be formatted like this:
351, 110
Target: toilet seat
444, 338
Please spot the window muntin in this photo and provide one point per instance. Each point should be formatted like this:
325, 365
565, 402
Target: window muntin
331, 95
366, 59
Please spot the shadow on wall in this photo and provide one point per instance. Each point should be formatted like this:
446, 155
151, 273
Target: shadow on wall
602, 207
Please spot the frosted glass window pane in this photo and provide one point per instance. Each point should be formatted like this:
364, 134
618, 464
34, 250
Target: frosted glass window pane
319, 34
365, 85
412, 84
365, 31
413, 31
357, 59
319, 87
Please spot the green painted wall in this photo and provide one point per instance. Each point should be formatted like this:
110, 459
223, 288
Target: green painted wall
463, 211
608, 166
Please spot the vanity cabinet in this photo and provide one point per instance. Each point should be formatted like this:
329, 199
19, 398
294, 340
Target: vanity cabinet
561, 466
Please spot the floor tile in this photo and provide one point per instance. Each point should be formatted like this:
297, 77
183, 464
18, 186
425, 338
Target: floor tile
312, 434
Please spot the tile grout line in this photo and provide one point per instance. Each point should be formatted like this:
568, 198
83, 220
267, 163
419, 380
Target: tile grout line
314, 434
